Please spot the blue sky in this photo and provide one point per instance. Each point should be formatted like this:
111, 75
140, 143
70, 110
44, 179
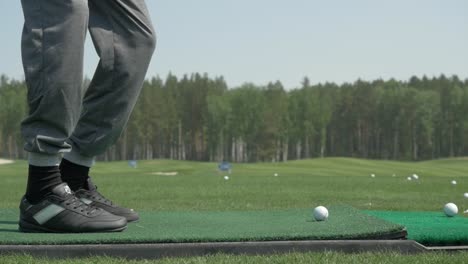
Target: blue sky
266, 40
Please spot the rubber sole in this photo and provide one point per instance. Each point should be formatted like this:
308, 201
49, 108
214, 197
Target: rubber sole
26, 227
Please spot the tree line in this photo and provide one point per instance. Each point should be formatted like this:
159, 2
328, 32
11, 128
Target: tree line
197, 117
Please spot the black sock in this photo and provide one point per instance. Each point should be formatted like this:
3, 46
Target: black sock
41, 180
76, 176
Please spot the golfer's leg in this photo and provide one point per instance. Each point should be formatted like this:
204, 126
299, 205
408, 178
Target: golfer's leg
124, 39
52, 51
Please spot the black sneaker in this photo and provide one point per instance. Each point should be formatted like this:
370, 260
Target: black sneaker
92, 197
62, 212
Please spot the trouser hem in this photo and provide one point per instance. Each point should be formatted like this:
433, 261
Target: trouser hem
79, 159
44, 160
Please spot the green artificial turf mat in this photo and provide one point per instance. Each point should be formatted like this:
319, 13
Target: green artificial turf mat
429, 228
190, 226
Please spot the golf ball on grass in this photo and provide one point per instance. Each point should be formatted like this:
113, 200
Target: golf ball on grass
409, 178
450, 209
276, 174
416, 177
372, 175
320, 213
226, 178
454, 182
465, 195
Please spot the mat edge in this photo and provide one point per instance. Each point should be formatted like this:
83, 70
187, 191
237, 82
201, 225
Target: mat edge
155, 251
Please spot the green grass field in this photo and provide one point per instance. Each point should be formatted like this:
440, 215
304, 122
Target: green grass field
300, 184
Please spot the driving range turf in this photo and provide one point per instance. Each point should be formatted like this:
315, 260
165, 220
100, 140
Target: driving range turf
191, 227
198, 188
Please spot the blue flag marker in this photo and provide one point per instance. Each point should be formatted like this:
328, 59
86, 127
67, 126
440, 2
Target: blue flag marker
132, 164
225, 166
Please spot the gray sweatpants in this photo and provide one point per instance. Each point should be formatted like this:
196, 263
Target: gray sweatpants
62, 121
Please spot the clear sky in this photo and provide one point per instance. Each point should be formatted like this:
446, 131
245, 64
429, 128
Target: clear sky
266, 40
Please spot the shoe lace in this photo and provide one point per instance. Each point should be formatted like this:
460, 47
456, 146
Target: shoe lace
77, 204
95, 195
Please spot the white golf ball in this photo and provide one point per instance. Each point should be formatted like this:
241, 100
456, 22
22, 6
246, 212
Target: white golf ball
454, 182
276, 174
415, 176
226, 178
372, 175
465, 195
450, 209
409, 178
320, 213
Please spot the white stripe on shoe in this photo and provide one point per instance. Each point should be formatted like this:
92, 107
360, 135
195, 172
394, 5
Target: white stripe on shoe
48, 213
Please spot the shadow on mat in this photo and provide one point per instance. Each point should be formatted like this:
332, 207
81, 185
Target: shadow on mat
9, 230
8, 222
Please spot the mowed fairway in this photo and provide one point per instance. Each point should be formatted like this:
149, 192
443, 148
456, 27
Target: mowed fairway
299, 184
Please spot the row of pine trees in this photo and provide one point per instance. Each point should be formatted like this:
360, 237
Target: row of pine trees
200, 118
